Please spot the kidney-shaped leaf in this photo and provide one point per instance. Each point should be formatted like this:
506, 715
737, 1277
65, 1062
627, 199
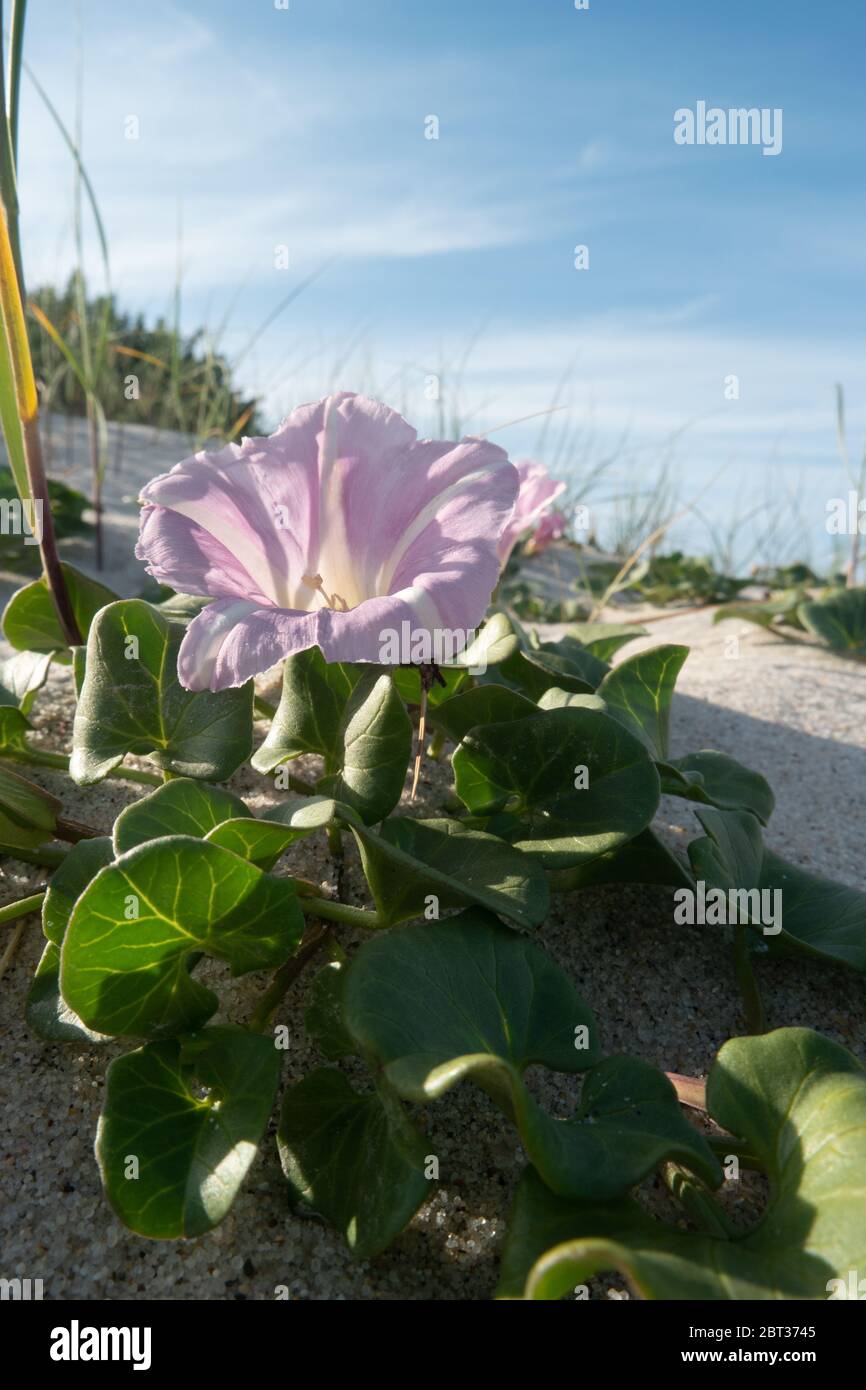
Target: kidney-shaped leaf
172, 1160
125, 960
715, 779
638, 693
468, 998
407, 861
352, 1158
28, 813
133, 702
30, 618
839, 620
580, 782
355, 719
182, 806
799, 1103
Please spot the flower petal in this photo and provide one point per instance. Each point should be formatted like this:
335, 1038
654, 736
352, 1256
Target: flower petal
537, 493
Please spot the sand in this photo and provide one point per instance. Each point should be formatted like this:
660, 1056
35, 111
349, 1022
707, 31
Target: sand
660, 992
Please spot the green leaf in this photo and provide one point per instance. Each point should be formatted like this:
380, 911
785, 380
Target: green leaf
28, 814
30, 619
576, 660
839, 620
351, 1160
554, 698
180, 807
638, 693
495, 643
443, 1000
193, 1152
485, 704
769, 613
798, 1101
351, 716
126, 953
324, 1016
715, 779
14, 727
818, 916
45, 1012
469, 999
68, 882
22, 676
730, 856
645, 859
133, 702
582, 784
605, 639
534, 671
409, 860
263, 842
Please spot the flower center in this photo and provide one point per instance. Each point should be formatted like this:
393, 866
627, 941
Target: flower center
335, 601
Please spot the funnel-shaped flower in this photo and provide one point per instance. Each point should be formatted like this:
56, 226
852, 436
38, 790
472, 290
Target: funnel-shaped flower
538, 491
339, 527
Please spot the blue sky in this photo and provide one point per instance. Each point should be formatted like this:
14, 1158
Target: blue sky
304, 128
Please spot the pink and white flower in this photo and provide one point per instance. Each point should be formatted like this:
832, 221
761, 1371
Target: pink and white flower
340, 525
538, 492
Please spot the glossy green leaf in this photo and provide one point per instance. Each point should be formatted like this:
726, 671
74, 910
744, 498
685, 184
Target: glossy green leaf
818, 916
469, 999
14, 727
45, 1012
133, 702
638, 693
715, 779
581, 783
30, 620
324, 1017
68, 882
605, 639
442, 1000
410, 863
533, 671
173, 1160
352, 1159
126, 953
645, 859
21, 678
799, 1103
182, 806
839, 620
554, 698
485, 704
495, 643
358, 723
578, 660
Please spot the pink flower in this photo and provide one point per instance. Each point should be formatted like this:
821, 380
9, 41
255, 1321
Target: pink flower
551, 527
340, 526
538, 491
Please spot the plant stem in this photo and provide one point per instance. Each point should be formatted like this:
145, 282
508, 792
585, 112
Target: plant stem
45, 857
73, 831
340, 912
698, 1203
27, 404
39, 757
12, 911
747, 981
9, 953
314, 939
690, 1090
